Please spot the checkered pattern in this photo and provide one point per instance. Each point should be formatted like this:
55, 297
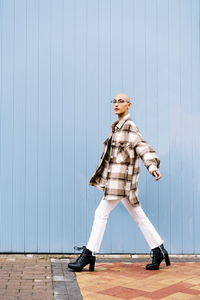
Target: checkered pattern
118, 169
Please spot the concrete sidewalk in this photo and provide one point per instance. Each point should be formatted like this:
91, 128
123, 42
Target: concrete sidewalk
28, 277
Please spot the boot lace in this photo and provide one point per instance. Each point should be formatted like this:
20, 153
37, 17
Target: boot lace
153, 256
83, 247
156, 254
82, 254
79, 248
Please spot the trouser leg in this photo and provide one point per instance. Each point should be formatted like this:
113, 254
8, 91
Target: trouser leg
150, 234
99, 225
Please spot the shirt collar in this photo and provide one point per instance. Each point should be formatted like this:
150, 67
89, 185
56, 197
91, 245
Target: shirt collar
121, 122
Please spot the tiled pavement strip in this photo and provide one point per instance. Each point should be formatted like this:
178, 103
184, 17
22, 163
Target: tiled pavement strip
130, 280
25, 277
41, 276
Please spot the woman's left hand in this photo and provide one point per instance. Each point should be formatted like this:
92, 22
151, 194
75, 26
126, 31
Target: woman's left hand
157, 174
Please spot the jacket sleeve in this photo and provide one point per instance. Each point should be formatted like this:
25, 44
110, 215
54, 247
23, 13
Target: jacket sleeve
146, 153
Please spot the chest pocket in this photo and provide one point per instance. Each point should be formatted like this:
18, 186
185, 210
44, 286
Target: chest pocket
122, 152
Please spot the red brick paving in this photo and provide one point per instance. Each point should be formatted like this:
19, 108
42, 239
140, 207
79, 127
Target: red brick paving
122, 280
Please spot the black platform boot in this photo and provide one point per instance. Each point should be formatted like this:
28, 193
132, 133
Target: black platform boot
84, 259
159, 253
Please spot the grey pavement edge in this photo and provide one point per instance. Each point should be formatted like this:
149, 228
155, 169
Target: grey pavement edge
64, 281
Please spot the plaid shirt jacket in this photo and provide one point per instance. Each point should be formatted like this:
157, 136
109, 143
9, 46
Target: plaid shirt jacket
118, 169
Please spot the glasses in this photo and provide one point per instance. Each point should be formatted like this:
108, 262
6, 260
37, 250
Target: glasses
114, 101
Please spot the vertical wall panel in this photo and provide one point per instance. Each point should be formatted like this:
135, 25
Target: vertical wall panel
61, 64
80, 122
19, 127
68, 135
185, 111
56, 190
194, 119
174, 122
44, 125
32, 83
7, 121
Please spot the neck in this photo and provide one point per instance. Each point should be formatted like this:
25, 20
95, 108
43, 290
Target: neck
120, 116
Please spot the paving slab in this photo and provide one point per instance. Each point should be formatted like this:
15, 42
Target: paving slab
130, 280
25, 277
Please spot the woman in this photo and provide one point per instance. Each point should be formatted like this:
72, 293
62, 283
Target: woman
117, 175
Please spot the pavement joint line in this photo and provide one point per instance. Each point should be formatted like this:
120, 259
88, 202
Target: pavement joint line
68, 256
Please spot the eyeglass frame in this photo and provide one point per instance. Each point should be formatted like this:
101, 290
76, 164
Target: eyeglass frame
117, 101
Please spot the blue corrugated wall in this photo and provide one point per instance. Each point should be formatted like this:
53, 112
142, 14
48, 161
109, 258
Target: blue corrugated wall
62, 61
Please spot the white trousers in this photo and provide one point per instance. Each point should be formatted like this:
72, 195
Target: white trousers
101, 217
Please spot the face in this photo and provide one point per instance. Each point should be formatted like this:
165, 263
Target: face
121, 104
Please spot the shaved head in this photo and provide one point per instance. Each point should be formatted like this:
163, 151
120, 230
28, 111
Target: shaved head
122, 96
121, 105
